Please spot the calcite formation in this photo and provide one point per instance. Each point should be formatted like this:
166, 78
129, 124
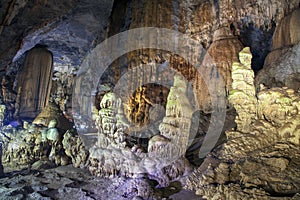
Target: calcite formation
32, 145
140, 107
110, 123
259, 159
24, 147
34, 82
1, 166
281, 67
2, 114
242, 96
216, 67
174, 129
164, 161
50, 112
75, 149
54, 139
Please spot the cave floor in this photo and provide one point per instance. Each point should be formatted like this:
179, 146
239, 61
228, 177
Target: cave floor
68, 182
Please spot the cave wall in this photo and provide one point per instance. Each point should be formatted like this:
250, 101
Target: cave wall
222, 27
281, 66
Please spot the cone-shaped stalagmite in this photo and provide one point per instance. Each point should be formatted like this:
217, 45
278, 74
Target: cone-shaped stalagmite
35, 79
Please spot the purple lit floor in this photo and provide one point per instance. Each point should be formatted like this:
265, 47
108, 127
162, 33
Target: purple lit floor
67, 182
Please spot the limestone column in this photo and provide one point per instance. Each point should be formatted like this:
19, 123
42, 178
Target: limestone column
1, 166
34, 82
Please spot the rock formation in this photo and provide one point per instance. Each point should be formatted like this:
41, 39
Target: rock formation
35, 146
21, 148
75, 149
2, 114
111, 124
34, 82
281, 67
242, 96
259, 160
50, 112
217, 65
142, 128
1, 166
174, 129
112, 156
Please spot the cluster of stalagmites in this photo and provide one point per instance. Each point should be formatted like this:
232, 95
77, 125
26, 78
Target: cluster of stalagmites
42, 143
261, 158
164, 160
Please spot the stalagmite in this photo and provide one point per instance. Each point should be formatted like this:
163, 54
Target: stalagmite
243, 94
176, 124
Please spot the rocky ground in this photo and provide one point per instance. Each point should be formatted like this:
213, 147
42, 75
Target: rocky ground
68, 182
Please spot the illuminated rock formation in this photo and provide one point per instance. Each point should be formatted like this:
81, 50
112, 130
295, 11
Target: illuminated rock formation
111, 124
75, 149
34, 82
54, 139
164, 161
33, 145
1, 166
259, 159
174, 129
22, 147
50, 112
2, 114
242, 96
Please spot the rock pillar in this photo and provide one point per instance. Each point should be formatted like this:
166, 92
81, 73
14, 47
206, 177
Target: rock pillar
34, 82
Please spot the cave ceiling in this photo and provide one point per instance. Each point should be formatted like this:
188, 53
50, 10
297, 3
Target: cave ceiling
69, 29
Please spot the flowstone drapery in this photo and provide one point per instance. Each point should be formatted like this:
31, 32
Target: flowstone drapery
112, 156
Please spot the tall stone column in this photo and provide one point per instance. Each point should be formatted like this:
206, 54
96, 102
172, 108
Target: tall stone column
1, 166
34, 82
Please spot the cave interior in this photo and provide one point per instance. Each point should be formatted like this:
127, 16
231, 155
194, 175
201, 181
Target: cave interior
149, 99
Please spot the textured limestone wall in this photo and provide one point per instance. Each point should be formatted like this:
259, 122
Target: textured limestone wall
282, 65
217, 65
243, 96
218, 26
